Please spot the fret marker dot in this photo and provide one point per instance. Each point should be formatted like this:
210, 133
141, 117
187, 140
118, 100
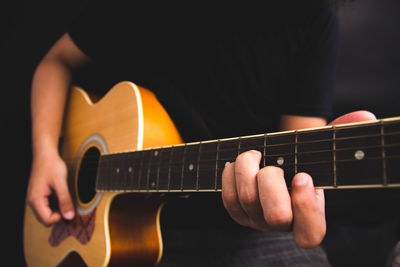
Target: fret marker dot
191, 167
280, 161
130, 169
359, 154
117, 170
156, 153
227, 163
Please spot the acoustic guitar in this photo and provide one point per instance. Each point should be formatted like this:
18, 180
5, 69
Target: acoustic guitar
123, 153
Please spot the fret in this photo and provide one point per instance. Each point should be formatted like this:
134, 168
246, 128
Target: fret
392, 152
190, 164
114, 170
358, 143
280, 139
176, 168
359, 172
158, 169
107, 173
120, 175
265, 150
286, 162
316, 135
183, 165
383, 155
280, 153
169, 168
100, 174
315, 157
353, 132
227, 154
391, 127
198, 167
133, 170
295, 152
358, 155
320, 171
228, 150
208, 158
216, 167
314, 146
148, 168
334, 157
254, 143
124, 172
144, 170
281, 149
117, 171
163, 168
153, 168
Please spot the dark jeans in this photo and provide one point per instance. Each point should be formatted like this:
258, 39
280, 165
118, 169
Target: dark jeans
199, 232
236, 246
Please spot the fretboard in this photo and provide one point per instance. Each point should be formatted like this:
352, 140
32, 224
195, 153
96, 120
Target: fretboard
345, 156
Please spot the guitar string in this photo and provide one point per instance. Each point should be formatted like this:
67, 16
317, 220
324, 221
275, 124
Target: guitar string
93, 159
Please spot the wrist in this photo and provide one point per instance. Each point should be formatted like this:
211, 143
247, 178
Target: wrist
45, 148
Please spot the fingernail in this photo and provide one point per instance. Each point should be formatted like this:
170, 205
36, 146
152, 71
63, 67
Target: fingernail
256, 152
69, 215
301, 179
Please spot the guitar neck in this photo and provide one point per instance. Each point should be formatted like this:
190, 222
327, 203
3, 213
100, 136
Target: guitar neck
346, 156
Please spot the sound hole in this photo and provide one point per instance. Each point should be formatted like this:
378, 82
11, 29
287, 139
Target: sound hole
87, 175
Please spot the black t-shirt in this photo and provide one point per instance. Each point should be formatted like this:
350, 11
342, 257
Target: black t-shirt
219, 70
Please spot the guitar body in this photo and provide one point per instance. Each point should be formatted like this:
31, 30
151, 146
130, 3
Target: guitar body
110, 228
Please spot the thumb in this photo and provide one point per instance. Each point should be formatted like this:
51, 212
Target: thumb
356, 116
64, 199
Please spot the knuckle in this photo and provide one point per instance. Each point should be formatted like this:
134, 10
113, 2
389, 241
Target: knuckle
248, 198
229, 198
249, 155
270, 171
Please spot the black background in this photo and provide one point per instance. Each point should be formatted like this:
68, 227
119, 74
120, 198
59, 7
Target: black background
368, 78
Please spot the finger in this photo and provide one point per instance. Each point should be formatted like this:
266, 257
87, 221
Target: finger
230, 196
40, 205
246, 169
64, 199
356, 116
44, 214
309, 226
275, 199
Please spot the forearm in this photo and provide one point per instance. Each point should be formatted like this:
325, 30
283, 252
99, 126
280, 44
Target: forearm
50, 86
294, 122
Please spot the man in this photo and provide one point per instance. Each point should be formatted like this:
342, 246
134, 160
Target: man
220, 71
